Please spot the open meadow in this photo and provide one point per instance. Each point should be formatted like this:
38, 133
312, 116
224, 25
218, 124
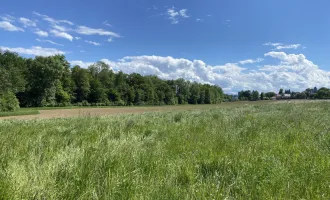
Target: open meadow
249, 151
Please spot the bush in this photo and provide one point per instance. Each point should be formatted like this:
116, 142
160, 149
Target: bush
9, 102
85, 103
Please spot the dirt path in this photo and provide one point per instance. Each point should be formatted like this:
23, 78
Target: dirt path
76, 112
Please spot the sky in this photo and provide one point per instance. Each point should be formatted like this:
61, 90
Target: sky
238, 45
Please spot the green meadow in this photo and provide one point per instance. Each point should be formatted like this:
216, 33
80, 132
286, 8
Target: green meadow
270, 151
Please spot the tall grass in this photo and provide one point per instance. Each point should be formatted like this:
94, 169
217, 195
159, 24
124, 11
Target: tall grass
274, 151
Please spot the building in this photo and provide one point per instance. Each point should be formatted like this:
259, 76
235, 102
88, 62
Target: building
283, 96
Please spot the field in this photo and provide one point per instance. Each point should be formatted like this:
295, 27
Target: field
55, 112
258, 151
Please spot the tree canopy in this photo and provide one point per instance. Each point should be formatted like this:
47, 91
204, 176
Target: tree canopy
51, 81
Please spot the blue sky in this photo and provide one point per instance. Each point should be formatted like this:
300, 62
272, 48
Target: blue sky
238, 45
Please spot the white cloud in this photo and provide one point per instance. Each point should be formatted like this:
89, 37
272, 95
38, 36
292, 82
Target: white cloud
9, 27
84, 30
8, 18
34, 50
81, 63
251, 61
61, 28
60, 34
110, 40
199, 20
183, 13
41, 33
107, 24
294, 71
291, 46
93, 43
49, 41
272, 44
27, 22
280, 46
52, 20
175, 15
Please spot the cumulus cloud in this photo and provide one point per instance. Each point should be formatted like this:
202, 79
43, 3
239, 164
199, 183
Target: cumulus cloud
9, 27
81, 63
110, 40
293, 71
175, 15
34, 50
60, 34
49, 41
27, 22
77, 38
41, 33
93, 43
84, 30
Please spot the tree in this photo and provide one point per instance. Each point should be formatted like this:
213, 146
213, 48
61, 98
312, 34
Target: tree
12, 73
194, 93
43, 72
97, 93
323, 93
262, 95
270, 94
50, 81
81, 84
8, 102
281, 91
255, 96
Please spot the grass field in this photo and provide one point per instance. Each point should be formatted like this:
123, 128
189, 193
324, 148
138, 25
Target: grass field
270, 151
61, 112
19, 113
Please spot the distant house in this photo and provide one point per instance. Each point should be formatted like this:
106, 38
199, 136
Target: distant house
286, 96
235, 97
283, 96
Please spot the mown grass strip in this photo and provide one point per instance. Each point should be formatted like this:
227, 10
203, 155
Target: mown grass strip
19, 113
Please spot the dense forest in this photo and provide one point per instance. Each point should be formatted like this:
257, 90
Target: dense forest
51, 81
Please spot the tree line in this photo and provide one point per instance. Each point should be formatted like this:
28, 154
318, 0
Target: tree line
309, 93
51, 81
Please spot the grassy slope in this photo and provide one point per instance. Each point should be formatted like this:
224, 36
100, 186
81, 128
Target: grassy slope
278, 151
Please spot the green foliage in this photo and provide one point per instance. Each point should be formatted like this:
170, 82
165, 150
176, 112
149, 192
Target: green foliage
49, 81
270, 94
255, 96
323, 93
281, 91
262, 96
8, 102
273, 151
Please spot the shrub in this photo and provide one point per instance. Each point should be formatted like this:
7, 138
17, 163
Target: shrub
9, 102
85, 103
